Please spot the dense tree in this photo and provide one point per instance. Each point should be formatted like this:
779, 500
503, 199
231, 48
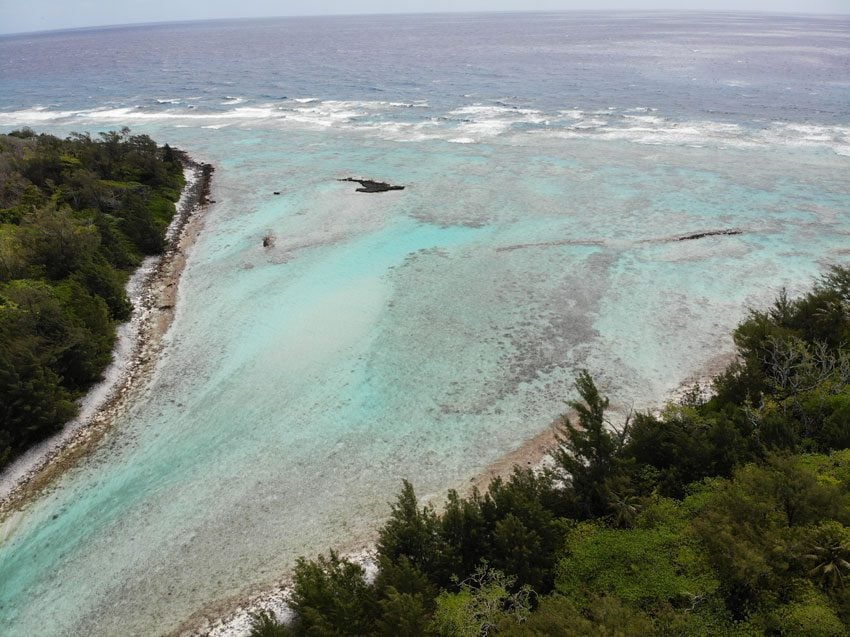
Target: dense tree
464, 532
412, 533
603, 616
587, 454
524, 532
682, 445
752, 527
331, 597
75, 216
648, 568
702, 519
402, 615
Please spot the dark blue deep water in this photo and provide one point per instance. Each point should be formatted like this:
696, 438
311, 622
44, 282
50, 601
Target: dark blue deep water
727, 67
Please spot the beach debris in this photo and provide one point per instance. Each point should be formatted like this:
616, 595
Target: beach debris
276, 192
710, 233
368, 185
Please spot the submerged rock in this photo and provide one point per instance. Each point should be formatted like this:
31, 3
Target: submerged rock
710, 233
268, 241
368, 185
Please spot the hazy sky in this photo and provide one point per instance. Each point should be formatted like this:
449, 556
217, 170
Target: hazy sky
37, 15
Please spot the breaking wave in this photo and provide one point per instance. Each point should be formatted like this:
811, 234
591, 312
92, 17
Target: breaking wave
474, 123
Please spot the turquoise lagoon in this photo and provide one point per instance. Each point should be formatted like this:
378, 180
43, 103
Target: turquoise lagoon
420, 334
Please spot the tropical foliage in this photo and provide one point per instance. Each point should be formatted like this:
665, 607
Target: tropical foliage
727, 515
76, 215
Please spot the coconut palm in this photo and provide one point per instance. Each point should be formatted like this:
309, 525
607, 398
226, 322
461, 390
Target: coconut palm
831, 560
624, 509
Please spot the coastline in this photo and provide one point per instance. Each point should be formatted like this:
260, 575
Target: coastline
152, 288
233, 617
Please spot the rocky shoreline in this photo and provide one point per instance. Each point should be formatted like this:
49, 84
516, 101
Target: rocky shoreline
153, 290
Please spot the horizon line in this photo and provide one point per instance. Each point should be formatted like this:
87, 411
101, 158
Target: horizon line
95, 27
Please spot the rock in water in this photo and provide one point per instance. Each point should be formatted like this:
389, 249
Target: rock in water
368, 185
710, 233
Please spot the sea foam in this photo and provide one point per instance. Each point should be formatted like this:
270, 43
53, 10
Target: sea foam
469, 124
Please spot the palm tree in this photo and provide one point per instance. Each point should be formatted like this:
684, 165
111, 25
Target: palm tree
624, 509
831, 559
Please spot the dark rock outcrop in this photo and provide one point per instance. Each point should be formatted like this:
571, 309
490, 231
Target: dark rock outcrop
368, 185
206, 178
710, 233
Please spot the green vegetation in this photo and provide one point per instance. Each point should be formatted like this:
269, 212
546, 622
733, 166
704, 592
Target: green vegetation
76, 216
727, 515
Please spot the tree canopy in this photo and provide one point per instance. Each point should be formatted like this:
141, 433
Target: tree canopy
76, 215
727, 515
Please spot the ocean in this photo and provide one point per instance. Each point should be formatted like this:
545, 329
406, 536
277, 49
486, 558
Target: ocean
553, 165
